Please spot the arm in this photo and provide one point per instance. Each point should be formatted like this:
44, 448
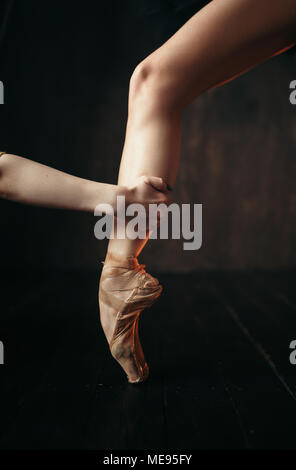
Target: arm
29, 182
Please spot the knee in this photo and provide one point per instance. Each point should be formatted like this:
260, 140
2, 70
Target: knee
5, 186
2, 181
153, 87
141, 78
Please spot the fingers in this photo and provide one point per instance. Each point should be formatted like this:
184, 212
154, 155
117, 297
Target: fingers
157, 183
149, 190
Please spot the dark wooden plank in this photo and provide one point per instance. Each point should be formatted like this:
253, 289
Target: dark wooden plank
200, 413
270, 322
24, 349
280, 285
45, 393
264, 399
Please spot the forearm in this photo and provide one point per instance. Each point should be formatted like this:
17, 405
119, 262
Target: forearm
29, 182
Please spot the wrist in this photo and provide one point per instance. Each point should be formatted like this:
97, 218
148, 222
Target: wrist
121, 191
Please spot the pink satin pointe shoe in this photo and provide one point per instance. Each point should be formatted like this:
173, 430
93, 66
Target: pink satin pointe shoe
125, 290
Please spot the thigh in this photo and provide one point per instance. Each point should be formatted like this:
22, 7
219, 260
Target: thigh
221, 41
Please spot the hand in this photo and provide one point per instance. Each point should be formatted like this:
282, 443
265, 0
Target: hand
145, 191
148, 190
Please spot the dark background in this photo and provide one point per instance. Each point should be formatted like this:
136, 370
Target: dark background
218, 340
66, 67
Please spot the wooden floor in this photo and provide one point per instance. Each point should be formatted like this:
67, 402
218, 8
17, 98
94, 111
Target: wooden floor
218, 349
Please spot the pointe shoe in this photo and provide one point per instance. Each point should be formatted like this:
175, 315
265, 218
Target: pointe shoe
127, 289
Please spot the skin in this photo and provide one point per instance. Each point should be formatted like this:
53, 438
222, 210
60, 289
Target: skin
221, 41
29, 182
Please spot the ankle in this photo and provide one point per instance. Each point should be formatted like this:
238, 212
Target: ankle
121, 260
